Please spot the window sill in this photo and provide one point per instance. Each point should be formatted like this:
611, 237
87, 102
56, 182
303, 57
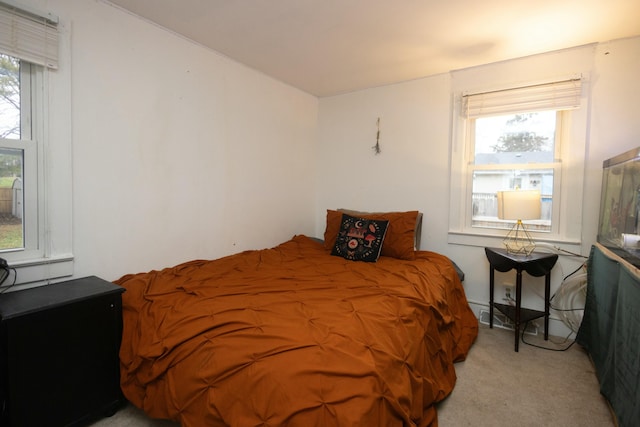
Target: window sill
31, 273
493, 240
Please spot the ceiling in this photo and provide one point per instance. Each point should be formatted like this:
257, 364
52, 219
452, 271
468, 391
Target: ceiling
328, 47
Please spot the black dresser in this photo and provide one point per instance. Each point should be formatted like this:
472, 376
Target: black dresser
59, 349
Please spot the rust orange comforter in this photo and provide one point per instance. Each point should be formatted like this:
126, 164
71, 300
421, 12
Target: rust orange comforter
292, 336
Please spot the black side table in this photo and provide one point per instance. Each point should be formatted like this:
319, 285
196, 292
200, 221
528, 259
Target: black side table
536, 264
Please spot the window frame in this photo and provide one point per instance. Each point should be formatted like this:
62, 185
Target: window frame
51, 123
568, 188
31, 145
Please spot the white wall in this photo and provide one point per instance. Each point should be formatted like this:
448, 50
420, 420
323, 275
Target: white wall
178, 153
412, 172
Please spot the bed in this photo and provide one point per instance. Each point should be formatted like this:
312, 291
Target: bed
299, 335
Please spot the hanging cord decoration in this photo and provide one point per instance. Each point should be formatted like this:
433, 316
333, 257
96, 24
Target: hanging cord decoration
376, 148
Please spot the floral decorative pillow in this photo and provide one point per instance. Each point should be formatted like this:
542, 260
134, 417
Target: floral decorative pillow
360, 239
402, 236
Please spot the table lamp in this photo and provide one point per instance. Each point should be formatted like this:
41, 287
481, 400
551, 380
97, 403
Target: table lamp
519, 205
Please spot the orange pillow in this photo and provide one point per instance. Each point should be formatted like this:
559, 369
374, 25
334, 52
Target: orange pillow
399, 241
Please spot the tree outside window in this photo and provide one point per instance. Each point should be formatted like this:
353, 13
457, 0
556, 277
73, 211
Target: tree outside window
11, 157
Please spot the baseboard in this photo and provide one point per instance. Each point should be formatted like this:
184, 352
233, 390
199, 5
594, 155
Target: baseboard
557, 327
503, 322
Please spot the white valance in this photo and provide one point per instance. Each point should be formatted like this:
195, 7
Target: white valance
561, 95
28, 35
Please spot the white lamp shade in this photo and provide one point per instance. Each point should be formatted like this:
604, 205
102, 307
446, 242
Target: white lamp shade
519, 204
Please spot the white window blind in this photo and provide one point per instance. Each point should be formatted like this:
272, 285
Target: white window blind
28, 35
561, 95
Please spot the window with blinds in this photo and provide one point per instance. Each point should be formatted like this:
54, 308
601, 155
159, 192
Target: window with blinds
562, 95
29, 35
514, 139
28, 46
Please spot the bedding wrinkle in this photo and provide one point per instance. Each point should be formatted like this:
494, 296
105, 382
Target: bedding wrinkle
292, 336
